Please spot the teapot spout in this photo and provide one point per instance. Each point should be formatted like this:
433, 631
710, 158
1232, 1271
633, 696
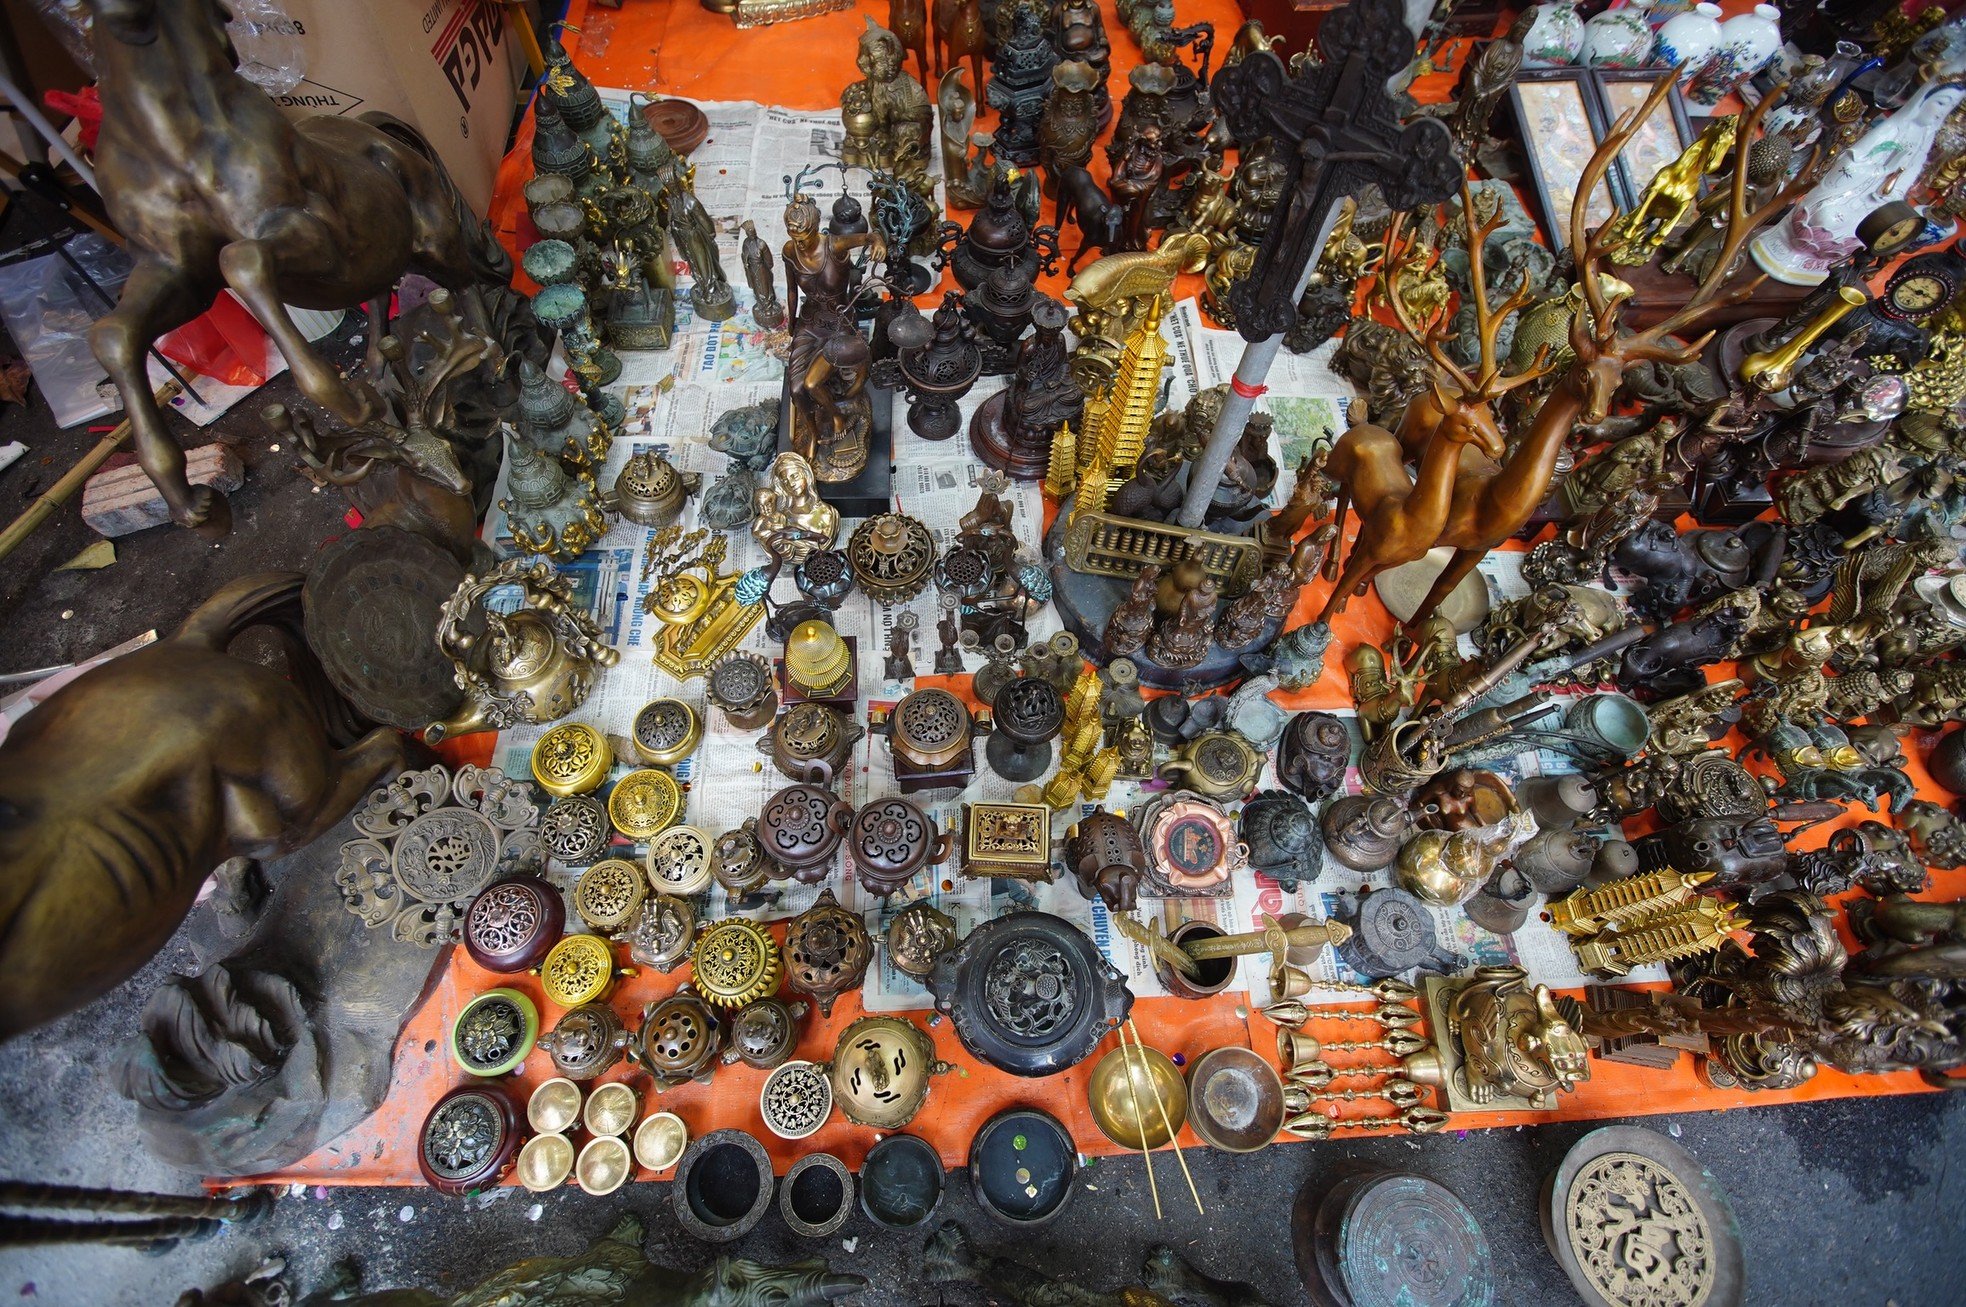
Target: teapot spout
469, 721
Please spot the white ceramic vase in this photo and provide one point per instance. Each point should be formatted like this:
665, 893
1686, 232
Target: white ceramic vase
1618, 38
1685, 40
1555, 36
1820, 231
1747, 42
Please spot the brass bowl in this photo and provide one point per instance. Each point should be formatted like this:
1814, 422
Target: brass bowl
1121, 1095
604, 1165
554, 1107
611, 1108
545, 1162
660, 1140
1237, 1100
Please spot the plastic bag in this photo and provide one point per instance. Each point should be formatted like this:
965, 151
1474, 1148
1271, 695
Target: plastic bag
49, 308
267, 41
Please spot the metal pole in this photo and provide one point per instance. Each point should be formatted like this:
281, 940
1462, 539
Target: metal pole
1205, 473
25, 107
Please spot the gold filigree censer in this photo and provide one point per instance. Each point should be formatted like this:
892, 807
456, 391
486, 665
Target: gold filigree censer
645, 803
580, 969
737, 962
572, 758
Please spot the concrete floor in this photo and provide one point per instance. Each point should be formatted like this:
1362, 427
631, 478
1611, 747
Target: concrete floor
1848, 1202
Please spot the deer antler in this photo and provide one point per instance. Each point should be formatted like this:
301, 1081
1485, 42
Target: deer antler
1396, 255
1712, 293
1488, 323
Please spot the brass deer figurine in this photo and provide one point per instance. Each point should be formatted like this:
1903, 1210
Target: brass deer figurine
1401, 515
1492, 502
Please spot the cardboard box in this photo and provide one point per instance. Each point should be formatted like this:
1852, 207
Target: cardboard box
449, 68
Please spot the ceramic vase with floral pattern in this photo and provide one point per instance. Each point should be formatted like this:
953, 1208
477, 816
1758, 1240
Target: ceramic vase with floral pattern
1554, 37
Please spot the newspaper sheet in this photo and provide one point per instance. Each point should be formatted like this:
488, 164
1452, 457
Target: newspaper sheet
673, 396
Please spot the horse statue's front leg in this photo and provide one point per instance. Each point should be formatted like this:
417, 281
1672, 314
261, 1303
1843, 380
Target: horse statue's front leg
157, 298
249, 269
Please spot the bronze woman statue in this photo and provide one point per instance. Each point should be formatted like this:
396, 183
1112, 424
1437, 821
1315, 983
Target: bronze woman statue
825, 367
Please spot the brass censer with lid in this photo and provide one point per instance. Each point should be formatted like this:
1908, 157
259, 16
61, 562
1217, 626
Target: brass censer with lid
737, 963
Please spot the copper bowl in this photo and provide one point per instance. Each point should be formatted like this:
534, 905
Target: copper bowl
1235, 1100
1120, 1093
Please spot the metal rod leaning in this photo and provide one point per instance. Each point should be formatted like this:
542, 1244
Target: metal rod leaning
1133, 1095
1173, 1136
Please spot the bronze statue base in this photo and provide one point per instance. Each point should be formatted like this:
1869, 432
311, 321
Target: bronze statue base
872, 491
1085, 605
992, 441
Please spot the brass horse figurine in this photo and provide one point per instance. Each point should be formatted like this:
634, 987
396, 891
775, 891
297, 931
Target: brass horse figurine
214, 188
130, 785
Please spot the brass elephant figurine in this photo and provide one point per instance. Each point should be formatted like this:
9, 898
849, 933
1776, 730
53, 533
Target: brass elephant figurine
130, 785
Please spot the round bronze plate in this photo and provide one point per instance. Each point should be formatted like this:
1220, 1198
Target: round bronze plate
644, 803
370, 609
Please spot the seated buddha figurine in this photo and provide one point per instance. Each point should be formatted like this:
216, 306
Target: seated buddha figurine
788, 517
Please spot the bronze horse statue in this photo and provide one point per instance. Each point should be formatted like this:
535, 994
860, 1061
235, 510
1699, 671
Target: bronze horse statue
214, 188
131, 784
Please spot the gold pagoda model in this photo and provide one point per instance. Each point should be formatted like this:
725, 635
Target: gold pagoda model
1114, 432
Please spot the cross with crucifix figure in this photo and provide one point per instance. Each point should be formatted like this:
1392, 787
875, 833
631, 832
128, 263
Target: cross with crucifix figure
1337, 129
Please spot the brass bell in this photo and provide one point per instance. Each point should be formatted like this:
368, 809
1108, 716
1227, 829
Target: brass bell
1294, 1047
818, 663
1288, 982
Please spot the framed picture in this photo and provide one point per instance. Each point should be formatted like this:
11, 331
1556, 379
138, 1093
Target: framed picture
1658, 141
1556, 112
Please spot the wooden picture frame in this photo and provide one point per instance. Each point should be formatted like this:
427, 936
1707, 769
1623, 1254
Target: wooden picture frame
1660, 140
1559, 123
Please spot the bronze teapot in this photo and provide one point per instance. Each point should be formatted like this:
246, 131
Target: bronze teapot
533, 665
801, 828
891, 840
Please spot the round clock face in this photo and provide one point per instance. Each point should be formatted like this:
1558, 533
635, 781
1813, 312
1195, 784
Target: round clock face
1918, 294
1898, 235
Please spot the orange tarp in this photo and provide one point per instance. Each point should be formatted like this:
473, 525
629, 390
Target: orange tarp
674, 47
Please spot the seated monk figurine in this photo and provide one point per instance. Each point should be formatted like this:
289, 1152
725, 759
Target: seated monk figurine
788, 517
887, 115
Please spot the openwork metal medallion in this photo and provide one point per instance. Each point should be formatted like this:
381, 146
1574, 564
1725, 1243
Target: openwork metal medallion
644, 803
493, 1033
679, 861
1635, 1221
796, 1100
737, 963
609, 893
1029, 989
579, 970
931, 725
575, 830
431, 842
1638, 1234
